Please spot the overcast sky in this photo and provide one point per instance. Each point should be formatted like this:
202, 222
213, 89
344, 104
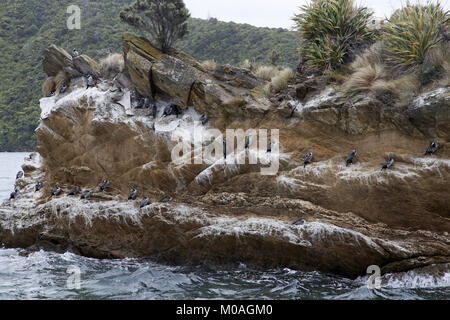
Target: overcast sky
273, 13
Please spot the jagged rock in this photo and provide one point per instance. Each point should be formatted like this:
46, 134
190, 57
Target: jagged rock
86, 66
237, 77
182, 79
57, 59
430, 113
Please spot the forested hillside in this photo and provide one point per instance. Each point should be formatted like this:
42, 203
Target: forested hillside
27, 27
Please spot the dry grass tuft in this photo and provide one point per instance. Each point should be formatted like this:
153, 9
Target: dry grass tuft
281, 80
111, 66
209, 65
266, 72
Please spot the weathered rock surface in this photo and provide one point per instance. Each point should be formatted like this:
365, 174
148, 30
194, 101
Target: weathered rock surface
57, 59
222, 213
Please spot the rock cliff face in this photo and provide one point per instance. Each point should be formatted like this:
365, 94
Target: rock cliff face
223, 213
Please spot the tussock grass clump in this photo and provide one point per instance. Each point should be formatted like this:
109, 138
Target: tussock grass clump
209, 65
364, 78
111, 66
281, 80
331, 30
412, 31
266, 72
368, 72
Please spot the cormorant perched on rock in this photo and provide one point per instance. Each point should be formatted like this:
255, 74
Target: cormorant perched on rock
292, 111
173, 109
146, 103
133, 194
432, 148
104, 185
224, 143
75, 53
204, 119
308, 159
86, 194
154, 111
247, 142
90, 82
299, 222
38, 186
117, 94
140, 104
351, 158
63, 89
56, 191
14, 194
166, 199
19, 175
145, 202
75, 190
388, 164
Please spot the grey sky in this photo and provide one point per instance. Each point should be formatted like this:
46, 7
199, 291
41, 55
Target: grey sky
273, 13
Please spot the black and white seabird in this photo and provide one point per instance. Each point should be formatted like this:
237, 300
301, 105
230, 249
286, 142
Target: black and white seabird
269, 148
432, 148
86, 194
90, 82
154, 111
104, 185
63, 89
19, 175
38, 186
166, 199
145, 202
224, 149
146, 103
388, 164
204, 119
133, 194
75, 53
247, 142
56, 191
172, 109
14, 194
293, 111
75, 190
299, 222
308, 159
140, 104
351, 158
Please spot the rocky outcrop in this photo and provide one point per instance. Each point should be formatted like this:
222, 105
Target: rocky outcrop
353, 217
57, 59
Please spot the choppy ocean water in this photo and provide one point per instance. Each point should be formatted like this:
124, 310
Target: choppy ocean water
47, 275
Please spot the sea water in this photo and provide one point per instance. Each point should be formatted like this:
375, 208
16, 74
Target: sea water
48, 275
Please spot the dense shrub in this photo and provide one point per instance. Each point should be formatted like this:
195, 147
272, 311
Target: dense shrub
331, 29
412, 31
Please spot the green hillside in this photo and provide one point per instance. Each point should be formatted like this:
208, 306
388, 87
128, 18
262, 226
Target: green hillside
28, 27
